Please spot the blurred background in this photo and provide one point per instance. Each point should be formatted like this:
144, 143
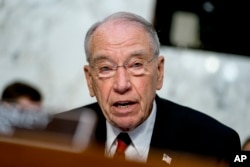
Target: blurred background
204, 43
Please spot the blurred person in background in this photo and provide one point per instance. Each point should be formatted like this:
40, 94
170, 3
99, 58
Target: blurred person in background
23, 96
124, 72
21, 108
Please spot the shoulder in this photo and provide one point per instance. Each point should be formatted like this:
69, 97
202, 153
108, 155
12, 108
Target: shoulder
76, 112
196, 126
67, 121
186, 115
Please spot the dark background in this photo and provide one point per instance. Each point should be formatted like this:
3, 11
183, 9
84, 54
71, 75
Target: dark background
224, 29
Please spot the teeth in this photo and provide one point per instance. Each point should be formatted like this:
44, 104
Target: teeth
123, 106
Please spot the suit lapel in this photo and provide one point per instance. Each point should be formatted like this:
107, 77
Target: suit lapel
163, 135
101, 132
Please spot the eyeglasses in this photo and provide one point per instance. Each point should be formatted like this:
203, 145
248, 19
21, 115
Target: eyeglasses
135, 67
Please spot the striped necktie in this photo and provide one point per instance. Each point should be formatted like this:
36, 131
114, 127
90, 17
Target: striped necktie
123, 141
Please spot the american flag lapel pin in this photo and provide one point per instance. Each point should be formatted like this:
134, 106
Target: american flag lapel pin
166, 158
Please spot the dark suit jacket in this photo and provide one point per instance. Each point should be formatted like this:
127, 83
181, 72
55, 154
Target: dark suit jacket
178, 130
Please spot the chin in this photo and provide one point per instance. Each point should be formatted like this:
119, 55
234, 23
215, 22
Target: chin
126, 126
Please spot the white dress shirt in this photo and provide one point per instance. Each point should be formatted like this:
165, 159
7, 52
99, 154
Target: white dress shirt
140, 137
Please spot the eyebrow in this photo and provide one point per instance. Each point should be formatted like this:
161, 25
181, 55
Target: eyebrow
138, 53
100, 58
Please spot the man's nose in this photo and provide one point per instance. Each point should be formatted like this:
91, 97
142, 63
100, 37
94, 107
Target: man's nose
122, 80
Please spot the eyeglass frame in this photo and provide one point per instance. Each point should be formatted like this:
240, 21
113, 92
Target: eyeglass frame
125, 65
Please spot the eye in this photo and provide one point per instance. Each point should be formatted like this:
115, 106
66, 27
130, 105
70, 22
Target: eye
136, 64
104, 69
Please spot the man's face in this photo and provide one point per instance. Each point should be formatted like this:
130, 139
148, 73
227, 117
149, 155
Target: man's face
126, 99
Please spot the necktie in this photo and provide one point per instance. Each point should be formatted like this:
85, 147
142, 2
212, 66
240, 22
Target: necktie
123, 140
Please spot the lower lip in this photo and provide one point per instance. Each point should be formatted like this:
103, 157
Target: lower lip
120, 111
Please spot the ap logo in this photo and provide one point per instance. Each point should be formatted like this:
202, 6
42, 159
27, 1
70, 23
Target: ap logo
240, 158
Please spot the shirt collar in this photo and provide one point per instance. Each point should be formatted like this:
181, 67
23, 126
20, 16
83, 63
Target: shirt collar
137, 135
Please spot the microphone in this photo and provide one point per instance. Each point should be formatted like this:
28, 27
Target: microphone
85, 129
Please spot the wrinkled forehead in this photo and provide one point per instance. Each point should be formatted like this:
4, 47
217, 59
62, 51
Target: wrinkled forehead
118, 31
120, 26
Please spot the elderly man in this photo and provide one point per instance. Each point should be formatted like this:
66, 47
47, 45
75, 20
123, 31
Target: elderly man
124, 72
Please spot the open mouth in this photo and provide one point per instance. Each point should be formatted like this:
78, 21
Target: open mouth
124, 104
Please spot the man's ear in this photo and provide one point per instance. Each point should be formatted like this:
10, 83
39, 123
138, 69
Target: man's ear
89, 79
160, 72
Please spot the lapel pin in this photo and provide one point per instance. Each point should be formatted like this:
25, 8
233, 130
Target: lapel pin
166, 158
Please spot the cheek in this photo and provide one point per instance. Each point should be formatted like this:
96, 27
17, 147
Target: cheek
145, 87
146, 90
102, 91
